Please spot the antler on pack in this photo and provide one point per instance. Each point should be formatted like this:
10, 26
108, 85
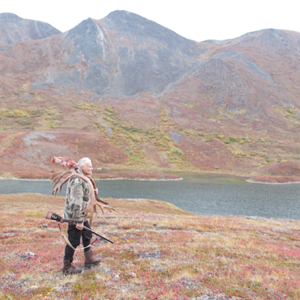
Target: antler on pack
57, 185
57, 176
65, 161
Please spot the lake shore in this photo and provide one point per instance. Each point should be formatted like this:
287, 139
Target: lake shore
274, 179
99, 174
136, 175
116, 175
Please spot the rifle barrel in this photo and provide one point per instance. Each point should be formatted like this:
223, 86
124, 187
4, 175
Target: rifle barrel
96, 233
57, 218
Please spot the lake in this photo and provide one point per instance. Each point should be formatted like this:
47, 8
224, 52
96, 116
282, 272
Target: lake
202, 194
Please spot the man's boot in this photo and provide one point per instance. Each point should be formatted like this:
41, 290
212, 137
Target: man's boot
69, 269
90, 260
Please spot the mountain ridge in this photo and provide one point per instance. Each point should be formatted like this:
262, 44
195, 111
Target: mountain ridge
14, 29
152, 99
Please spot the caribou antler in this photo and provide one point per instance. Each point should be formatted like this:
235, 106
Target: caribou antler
93, 202
55, 179
57, 185
106, 204
57, 176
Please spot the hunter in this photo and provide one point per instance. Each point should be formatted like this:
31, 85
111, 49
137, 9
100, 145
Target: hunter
78, 195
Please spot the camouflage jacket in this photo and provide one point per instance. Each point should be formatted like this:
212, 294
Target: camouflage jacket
78, 195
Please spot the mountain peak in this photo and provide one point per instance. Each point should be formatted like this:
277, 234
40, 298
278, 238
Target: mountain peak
124, 21
9, 17
82, 27
269, 36
123, 15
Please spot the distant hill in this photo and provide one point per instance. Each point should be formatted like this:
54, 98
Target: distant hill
14, 29
130, 93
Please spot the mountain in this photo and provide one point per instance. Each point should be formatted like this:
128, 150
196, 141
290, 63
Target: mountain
246, 77
14, 29
123, 54
130, 93
244, 97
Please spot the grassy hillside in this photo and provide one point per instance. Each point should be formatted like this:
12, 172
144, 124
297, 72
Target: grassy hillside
117, 137
159, 252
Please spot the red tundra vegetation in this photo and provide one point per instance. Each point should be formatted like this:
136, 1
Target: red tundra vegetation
159, 252
284, 172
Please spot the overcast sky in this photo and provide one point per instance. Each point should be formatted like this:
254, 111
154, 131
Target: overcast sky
198, 20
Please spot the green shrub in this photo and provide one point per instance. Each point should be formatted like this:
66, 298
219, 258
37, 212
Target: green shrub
108, 119
133, 138
53, 124
24, 122
232, 139
132, 128
85, 106
219, 136
246, 139
176, 151
109, 109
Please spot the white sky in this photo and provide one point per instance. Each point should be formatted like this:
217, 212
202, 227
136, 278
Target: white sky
194, 19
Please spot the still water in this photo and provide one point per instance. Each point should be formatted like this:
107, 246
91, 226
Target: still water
197, 193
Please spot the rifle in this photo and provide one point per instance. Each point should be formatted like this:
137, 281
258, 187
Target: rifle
57, 218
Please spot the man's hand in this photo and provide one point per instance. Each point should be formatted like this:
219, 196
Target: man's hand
79, 226
96, 191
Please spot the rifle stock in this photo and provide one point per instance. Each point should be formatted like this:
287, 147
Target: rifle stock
57, 218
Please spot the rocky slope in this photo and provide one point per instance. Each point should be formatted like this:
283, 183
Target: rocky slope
14, 29
130, 93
